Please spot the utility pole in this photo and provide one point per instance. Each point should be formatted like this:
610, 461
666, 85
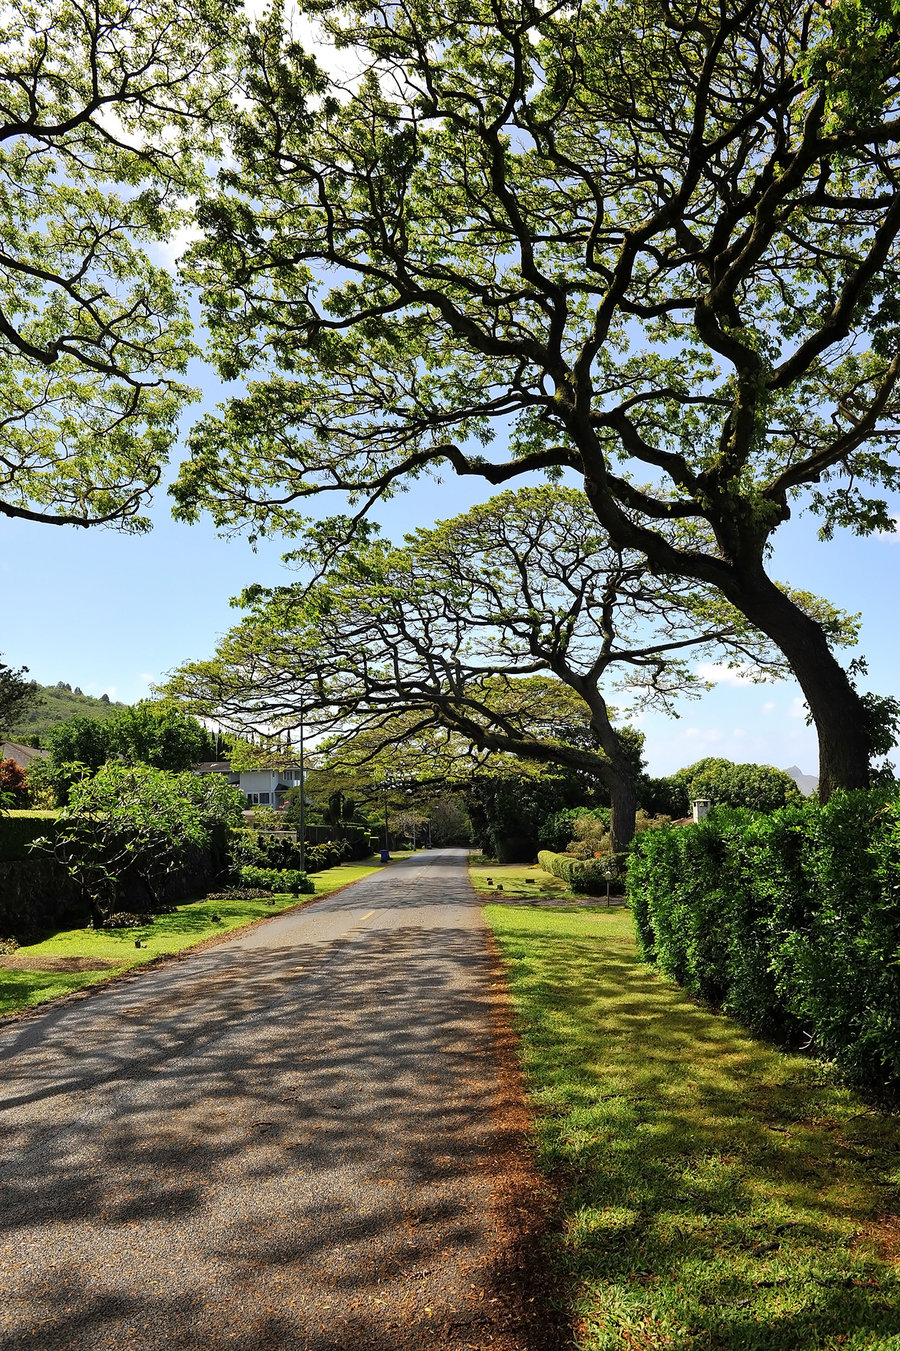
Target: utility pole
302, 821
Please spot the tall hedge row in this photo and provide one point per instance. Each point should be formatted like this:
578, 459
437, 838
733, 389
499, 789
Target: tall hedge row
17, 833
790, 921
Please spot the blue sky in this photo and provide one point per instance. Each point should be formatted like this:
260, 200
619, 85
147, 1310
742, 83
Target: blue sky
112, 612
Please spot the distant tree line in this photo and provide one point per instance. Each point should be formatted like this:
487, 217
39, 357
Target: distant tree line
153, 734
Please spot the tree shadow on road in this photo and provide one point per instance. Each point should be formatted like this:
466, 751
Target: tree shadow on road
291, 1148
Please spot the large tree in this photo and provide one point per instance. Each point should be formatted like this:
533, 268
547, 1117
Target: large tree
650, 242
106, 113
509, 626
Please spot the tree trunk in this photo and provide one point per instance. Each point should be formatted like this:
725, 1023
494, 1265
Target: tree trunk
835, 706
619, 777
839, 715
623, 807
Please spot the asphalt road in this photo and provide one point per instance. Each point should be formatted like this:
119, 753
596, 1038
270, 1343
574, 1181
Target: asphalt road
285, 1141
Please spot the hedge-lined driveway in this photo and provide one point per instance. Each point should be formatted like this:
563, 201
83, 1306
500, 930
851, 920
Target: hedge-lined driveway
291, 1140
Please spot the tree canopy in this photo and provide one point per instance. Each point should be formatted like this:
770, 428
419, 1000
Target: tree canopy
17, 695
510, 627
650, 243
761, 788
106, 113
154, 734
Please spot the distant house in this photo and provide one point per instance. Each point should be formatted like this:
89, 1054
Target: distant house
23, 755
260, 787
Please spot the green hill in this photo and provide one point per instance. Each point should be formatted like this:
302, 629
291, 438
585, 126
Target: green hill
58, 705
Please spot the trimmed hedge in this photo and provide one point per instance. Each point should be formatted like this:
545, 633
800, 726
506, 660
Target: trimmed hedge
281, 880
582, 874
17, 833
790, 921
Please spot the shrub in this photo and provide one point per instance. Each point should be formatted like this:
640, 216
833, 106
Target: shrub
288, 880
137, 824
239, 894
585, 875
557, 830
13, 784
358, 842
790, 921
254, 850
328, 854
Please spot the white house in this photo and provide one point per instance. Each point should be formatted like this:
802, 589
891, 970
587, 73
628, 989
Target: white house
260, 787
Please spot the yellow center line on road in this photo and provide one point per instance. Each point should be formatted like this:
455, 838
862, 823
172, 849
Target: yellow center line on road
371, 912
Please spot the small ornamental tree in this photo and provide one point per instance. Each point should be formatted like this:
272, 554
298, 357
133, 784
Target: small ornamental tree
136, 822
13, 783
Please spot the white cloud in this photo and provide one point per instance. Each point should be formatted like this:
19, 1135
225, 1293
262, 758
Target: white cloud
719, 673
798, 708
703, 735
769, 706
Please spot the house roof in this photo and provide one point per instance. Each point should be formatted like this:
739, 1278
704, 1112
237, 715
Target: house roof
224, 767
23, 755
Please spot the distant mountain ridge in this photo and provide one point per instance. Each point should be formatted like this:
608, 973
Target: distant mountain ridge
807, 783
58, 705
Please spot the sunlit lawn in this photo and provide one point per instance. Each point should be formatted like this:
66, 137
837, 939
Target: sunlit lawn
190, 924
518, 881
716, 1194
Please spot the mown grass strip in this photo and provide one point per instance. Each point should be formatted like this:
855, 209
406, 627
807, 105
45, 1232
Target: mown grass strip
188, 925
519, 882
715, 1193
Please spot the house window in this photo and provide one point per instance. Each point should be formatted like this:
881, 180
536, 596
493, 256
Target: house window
258, 799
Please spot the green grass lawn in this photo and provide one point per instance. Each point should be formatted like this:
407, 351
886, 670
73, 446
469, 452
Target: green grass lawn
715, 1193
188, 925
518, 881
